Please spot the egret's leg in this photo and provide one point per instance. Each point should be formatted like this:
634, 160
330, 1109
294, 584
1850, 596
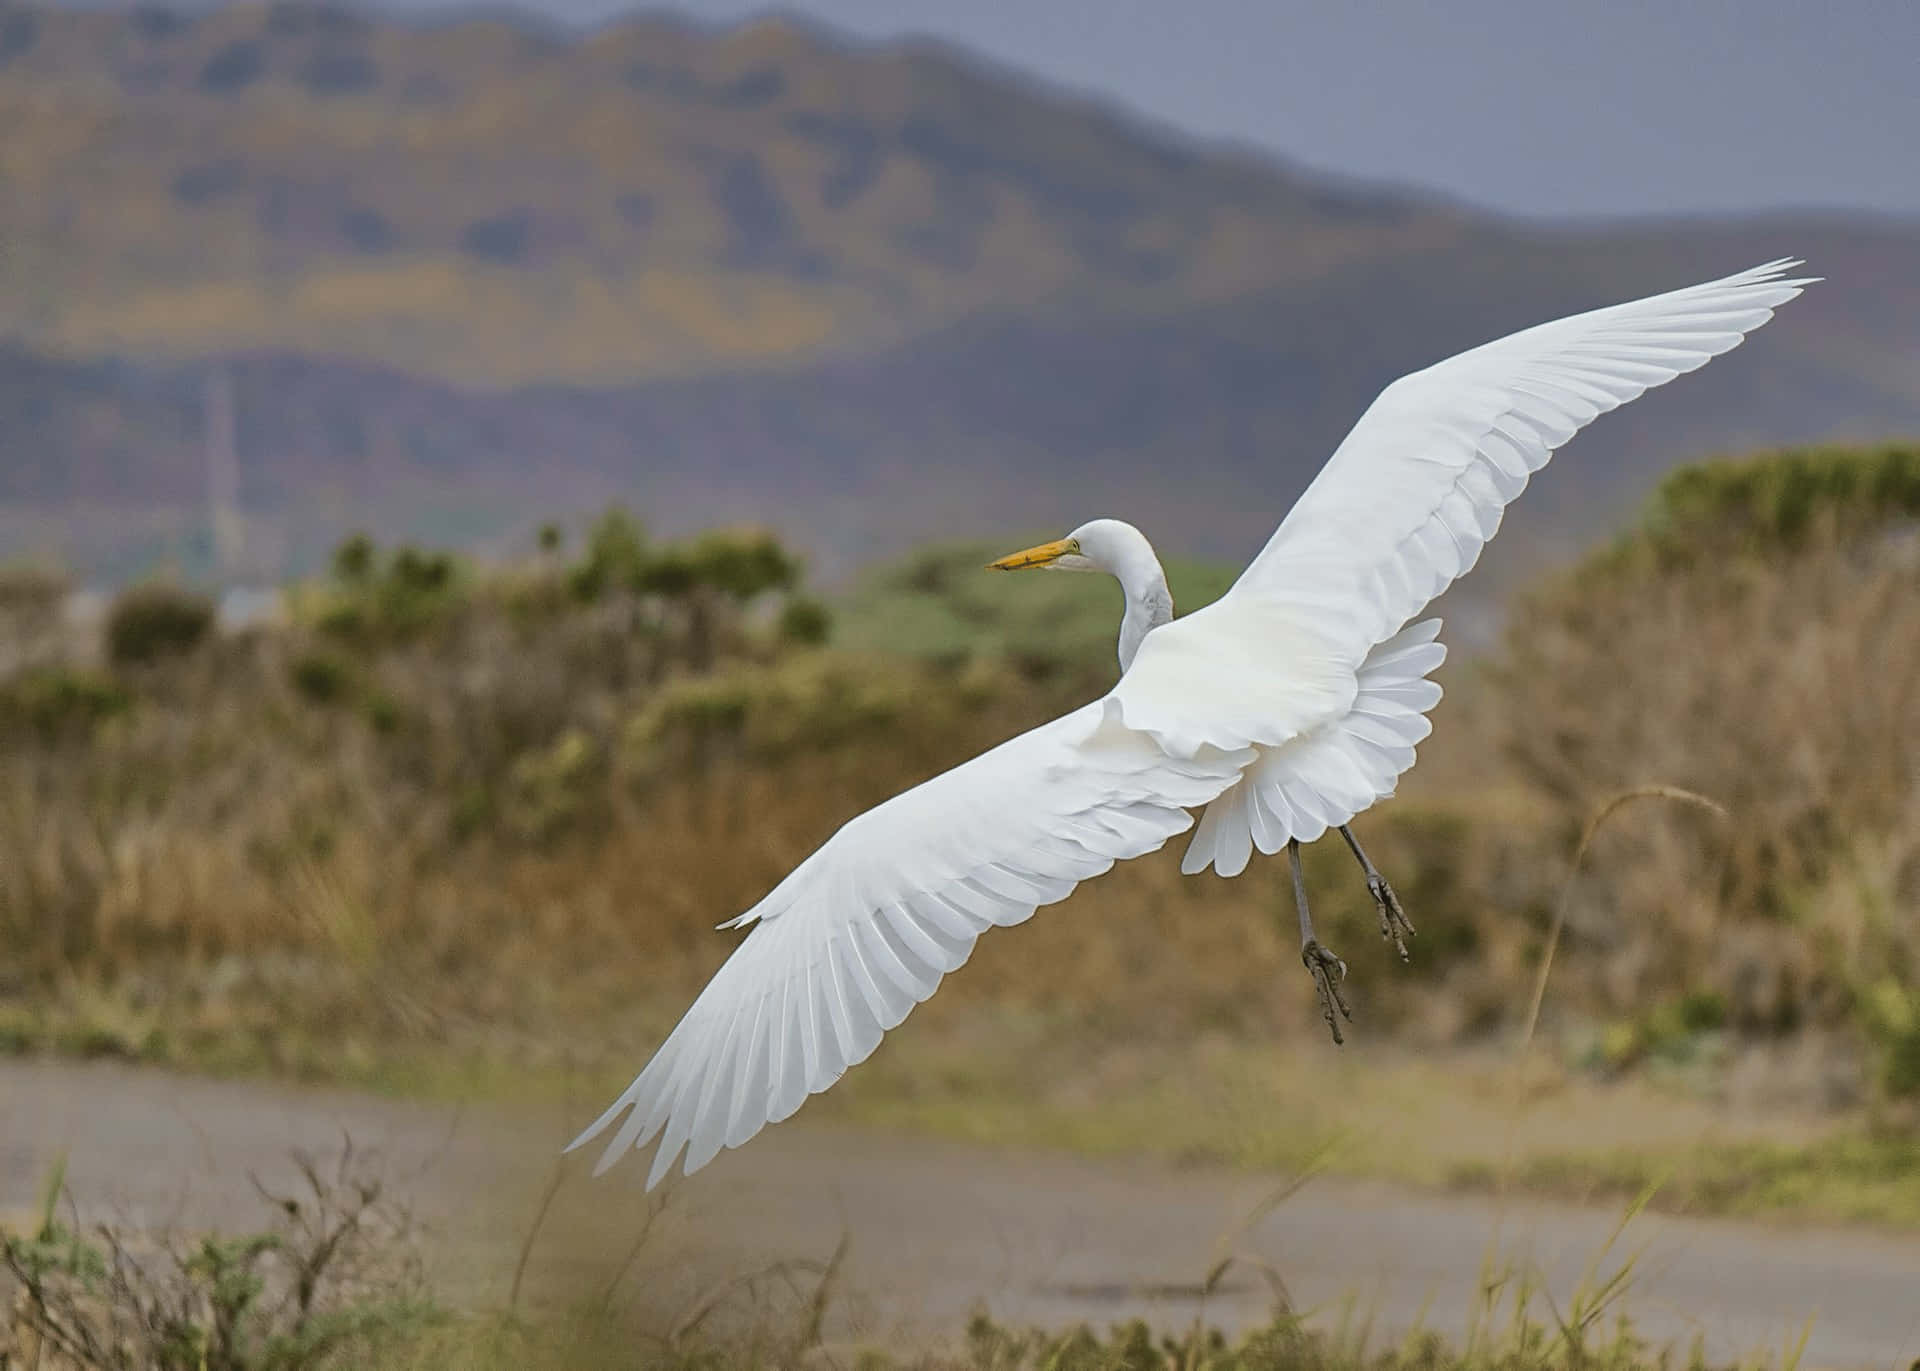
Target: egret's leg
1326, 969
1394, 925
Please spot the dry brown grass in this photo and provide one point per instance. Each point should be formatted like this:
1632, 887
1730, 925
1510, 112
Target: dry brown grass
485, 811
1785, 689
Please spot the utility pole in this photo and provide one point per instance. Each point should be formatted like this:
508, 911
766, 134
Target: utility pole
223, 474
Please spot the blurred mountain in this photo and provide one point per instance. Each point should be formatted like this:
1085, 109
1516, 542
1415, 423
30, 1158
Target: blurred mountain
464, 275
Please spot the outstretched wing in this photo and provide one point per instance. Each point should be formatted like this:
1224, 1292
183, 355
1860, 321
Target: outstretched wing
1399, 512
865, 928
1413, 493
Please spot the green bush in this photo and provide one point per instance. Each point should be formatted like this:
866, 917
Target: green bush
59, 702
1774, 502
615, 556
805, 621
412, 592
330, 1283
322, 678
1891, 1014
743, 565
353, 560
153, 622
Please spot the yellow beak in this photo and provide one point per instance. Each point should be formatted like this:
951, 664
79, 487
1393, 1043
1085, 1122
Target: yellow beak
1035, 556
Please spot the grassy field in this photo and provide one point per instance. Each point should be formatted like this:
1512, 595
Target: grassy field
454, 829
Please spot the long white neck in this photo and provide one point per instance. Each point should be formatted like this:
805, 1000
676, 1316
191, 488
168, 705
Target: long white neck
1148, 607
1123, 551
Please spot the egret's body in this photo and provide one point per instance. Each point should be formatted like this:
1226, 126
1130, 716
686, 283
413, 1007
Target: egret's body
1283, 709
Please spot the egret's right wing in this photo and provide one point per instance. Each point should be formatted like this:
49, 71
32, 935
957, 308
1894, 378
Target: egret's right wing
864, 929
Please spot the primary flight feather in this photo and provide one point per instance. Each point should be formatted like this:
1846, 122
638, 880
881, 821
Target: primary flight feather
1283, 709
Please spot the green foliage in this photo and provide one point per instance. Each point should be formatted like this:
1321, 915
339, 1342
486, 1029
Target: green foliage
550, 786
938, 605
353, 560
743, 565
1591, 1335
60, 702
383, 713
420, 573
805, 621
1701, 1011
1677, 1032
1849, 1176
738, 565
615, 556
1891, 1015
814, 702
321, 677
1773, 503
153, 622
326, 1286
372, 601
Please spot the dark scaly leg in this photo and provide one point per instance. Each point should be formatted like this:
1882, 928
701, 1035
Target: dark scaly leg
1394, 925
1326, 969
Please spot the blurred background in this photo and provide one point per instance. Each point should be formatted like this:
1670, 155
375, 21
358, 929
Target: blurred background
484, 491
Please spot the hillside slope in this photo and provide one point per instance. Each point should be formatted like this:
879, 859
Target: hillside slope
470, 275
497, 203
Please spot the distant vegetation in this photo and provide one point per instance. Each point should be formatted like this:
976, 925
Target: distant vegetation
451, 807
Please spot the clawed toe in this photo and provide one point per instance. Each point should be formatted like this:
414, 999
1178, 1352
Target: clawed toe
1327, 971
1395, 927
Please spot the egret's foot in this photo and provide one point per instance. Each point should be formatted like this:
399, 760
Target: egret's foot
1327, 971
1395, 927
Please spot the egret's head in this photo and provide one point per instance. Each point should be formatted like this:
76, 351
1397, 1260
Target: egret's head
1123, 552
1099, 545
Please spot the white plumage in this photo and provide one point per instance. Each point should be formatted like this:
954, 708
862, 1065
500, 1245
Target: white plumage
1285, 708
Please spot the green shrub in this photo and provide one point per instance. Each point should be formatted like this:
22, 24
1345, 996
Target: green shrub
1702, 1011
384, 714
615, 555
1891, 1014
59, 702
321, 677
1773, 502
805, 621
743, 565
411, 593
153, 622
331, 1282
353, 560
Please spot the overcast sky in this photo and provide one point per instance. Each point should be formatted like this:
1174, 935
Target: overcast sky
1538, 107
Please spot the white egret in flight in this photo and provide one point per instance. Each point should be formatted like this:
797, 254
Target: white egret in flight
1283, 709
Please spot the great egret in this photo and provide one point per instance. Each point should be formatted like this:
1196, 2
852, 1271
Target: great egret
1284, 708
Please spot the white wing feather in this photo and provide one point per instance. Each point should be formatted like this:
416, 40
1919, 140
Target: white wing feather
866, 927
1408, 499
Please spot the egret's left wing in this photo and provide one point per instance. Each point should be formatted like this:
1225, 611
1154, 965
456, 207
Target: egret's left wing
1300, 658
1404, 506
1413, 493
864, 929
